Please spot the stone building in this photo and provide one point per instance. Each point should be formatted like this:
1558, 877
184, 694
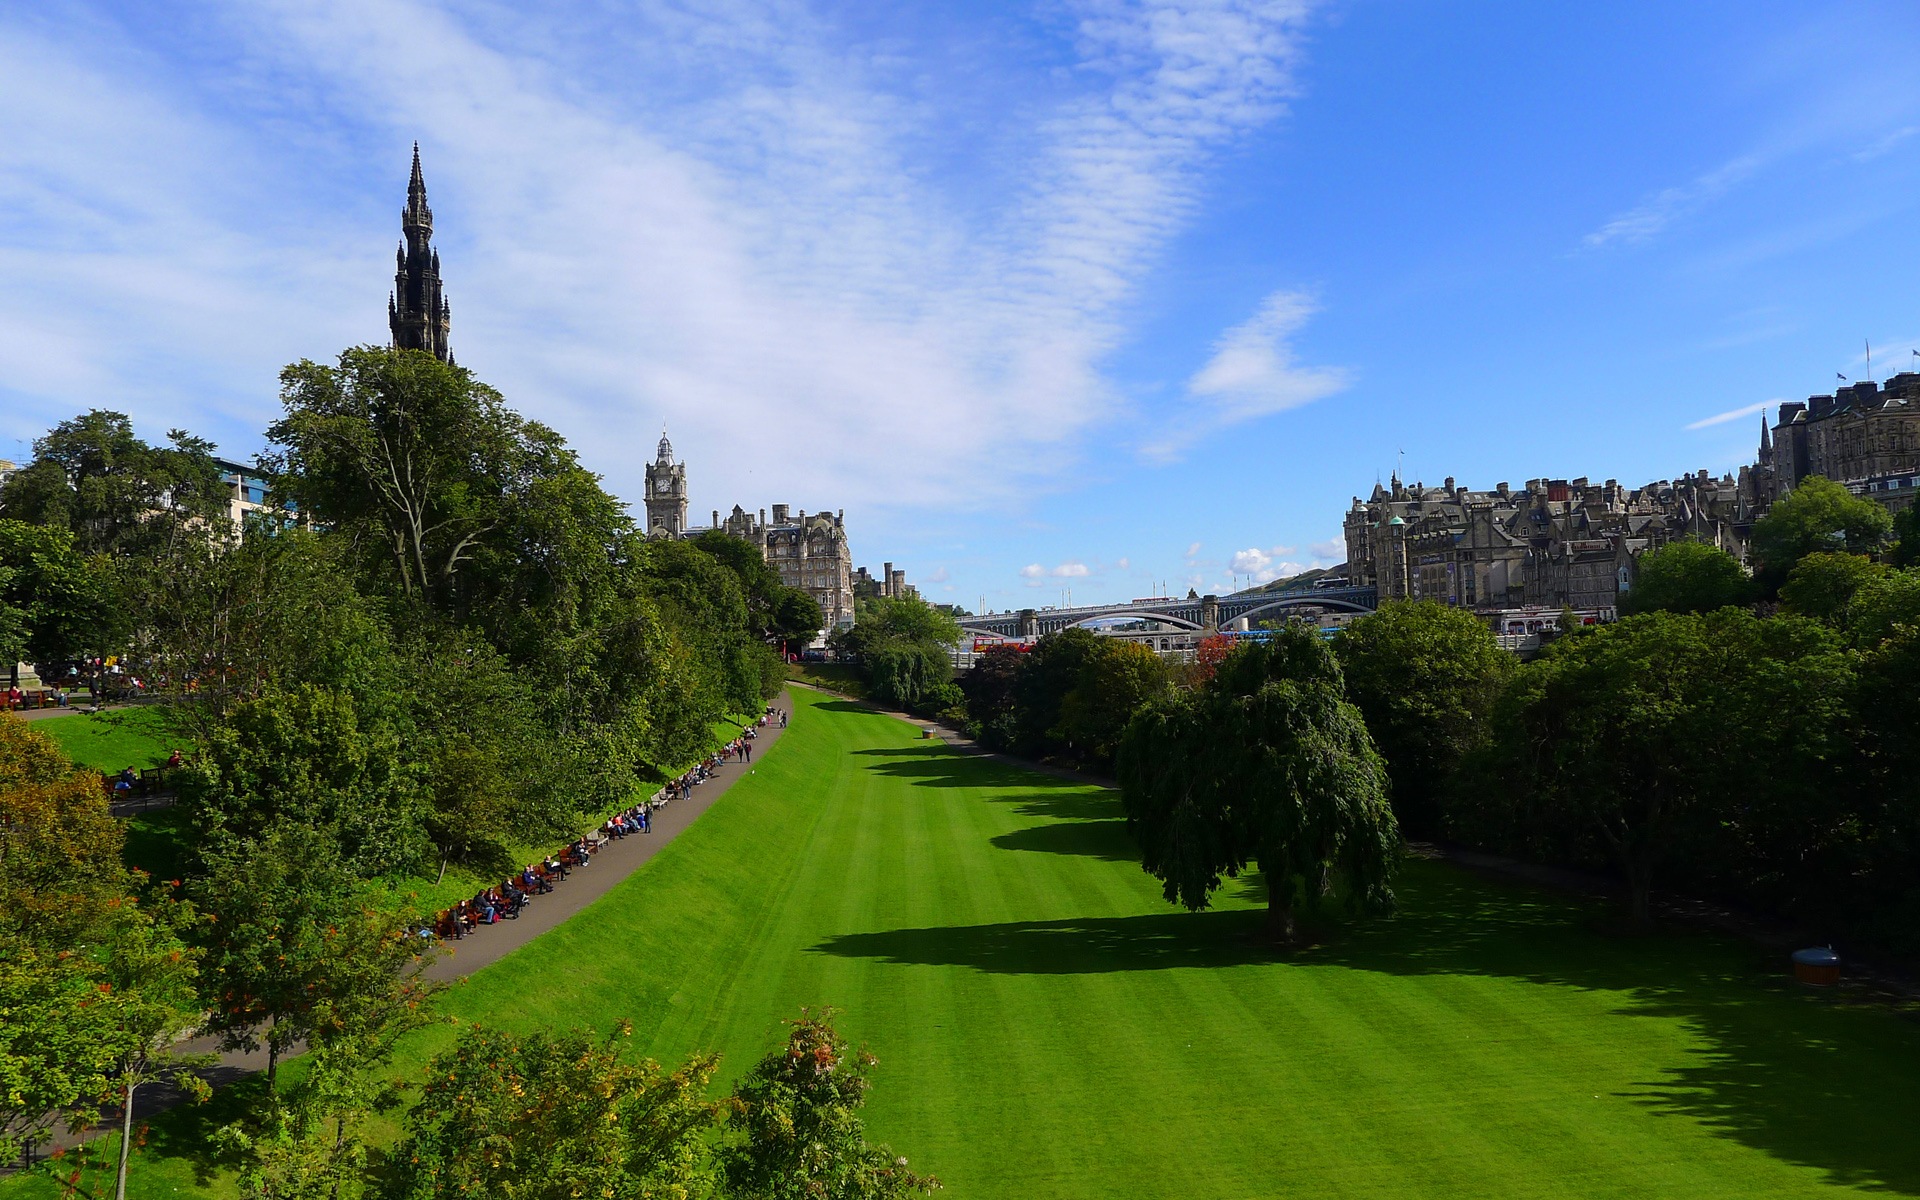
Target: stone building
417, 311
810, 552
890, 583
1866, 436
1554, 543
666, 498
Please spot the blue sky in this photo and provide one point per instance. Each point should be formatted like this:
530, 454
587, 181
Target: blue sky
1048, 295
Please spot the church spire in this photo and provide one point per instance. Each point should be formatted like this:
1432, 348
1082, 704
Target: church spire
418, 313
1766, 439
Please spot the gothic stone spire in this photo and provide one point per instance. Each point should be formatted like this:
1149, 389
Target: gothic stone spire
418, 314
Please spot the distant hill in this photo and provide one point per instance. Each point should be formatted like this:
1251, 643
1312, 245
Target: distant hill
1301, 582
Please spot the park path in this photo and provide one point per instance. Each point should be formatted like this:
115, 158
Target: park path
489, 944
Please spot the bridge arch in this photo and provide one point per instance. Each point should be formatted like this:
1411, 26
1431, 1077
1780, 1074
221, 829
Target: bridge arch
1306, 600
1133, 614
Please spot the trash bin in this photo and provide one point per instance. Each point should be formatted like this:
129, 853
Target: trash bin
1817, 965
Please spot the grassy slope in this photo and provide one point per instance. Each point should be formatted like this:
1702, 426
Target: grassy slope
121, 738
1046, 1026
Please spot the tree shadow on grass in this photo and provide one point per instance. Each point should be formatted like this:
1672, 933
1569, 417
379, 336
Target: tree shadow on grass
941, 766
1095, 839
1811, 1079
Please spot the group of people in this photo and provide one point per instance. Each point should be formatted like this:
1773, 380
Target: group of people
507, 898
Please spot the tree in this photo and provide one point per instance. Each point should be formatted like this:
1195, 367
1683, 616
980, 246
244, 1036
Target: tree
1687, 577
59, 1043
904, 647
1052, 669
1116, 681
1882, 604
304, 756
1906, 533
113, 492
299, 944
990, 686
1818, 514
797, 1128
151, 974
1716, 729
411, 454
60, 603
1266, 765
554, 1117
1822, 584
774, 610
60, 867
1425, 677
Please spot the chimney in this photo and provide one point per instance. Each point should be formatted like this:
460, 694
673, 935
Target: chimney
716, 518
779, 514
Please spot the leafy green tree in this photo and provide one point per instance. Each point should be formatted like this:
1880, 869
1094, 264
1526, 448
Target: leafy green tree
1267, 765
59, 1043
300, 944
554, 1117
116, 494
1687, 577
797, 1129
904, 647
1883, 604
774, 610
1822, 584
62, 605
411, 456
1666, 730
304, 756
1817, 515
990, 686
1425, 677
151, 973
1051, 670
1117, 680
1906, 533
61, 874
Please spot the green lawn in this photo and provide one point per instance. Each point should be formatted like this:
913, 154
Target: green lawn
1047, 1027
125, 737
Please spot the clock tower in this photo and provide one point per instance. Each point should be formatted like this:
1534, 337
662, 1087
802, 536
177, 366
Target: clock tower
666, 493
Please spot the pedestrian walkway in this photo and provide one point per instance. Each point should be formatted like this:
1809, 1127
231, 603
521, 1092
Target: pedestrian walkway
489, 944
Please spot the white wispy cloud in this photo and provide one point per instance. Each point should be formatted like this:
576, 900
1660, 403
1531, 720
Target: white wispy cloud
723, 218
1071, 570
1733, 414
1252, 373
1654, 215
1332, 550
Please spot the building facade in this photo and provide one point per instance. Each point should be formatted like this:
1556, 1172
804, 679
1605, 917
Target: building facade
1866, 436
1555, 543
809, 552
666, 497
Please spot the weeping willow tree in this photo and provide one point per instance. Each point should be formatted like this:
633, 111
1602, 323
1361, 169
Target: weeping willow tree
1267, 765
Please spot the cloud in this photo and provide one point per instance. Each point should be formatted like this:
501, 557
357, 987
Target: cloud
1193, 550
1032, 571
1071, 570
1653, 216
938, 575
1264, 566
1251, 374
1331, 550
1123, 564
1733, 414
770, 223
1885, 144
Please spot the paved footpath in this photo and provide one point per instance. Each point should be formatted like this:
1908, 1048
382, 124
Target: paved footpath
489, 944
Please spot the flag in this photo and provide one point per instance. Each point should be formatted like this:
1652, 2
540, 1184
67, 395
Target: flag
1843, 378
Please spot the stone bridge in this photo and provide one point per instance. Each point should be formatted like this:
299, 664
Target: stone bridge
1195, 614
